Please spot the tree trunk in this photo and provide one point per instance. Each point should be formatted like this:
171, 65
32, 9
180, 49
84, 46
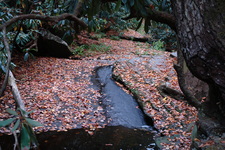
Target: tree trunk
201, 33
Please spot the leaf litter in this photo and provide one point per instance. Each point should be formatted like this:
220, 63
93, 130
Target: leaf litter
63, 97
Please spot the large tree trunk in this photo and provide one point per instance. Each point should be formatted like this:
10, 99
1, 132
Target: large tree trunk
201, 33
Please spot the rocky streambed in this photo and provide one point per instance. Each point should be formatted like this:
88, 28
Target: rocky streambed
127, 126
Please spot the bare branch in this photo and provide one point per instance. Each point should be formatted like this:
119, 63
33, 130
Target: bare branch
8, 61
15, 91
16, 144
44, 18
158, 16
163, 17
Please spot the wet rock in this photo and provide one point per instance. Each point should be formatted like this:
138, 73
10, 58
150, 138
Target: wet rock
51, 45
121, 107
108, 138
174, 54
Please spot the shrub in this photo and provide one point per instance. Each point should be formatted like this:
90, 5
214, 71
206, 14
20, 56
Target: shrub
158, 45
87, 50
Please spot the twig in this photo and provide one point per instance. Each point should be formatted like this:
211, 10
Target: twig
16, 144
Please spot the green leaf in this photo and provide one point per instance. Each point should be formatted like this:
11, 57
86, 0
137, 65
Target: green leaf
23, 112
12, 112
26, 56
148, 2
131, 3
25, 138
194, 132
139, 24
33, 122
3, 68
30, 112
16, 125
118, 5
155, 2
127, 7
33, 138
164, 6
124, 1
6, 122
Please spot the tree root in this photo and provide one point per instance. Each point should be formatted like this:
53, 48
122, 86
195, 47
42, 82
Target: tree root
167, 91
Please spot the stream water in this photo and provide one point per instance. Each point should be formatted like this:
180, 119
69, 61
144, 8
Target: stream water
128, 127
122, 108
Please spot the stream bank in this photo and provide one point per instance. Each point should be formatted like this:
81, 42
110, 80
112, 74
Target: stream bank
58, 90
126, 123
121, 108
108, 138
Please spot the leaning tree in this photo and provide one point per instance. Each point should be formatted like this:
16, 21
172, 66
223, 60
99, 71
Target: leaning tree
199, 25
200, 28
201, 34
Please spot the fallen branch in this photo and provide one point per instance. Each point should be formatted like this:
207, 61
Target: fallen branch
15, 91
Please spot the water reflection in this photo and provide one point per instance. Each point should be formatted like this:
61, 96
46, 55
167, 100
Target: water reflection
109, 138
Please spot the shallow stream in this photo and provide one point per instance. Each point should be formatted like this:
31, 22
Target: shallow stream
127, 126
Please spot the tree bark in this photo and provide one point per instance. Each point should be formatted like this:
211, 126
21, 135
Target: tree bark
15, 91
201, 32
181, 80
9, 78
158, 16
78, 7
4, 84
163, 17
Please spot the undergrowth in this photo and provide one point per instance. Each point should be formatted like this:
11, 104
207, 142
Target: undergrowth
87, 50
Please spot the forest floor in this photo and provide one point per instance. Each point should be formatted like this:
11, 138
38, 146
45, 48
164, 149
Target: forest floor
63, 97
